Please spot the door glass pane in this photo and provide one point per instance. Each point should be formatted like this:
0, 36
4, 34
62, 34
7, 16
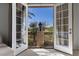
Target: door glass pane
65, 42
18, 36
65, 13
62, 24
57, 22
58, 37
65, 20
65, 28
58, 8
18, 21
65, 6
18, 28
65, 36
58, 28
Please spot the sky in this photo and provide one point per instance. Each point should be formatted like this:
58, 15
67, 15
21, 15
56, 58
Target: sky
45, 15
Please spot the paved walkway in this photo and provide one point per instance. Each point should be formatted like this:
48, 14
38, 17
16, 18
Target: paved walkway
42, 52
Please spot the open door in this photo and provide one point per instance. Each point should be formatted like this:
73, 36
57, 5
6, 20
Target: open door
63, 28
26, 26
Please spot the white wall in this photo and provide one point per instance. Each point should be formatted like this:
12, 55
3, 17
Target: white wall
4, 21
76, 25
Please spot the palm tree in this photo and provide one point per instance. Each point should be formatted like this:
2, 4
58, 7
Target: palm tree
33, 27
30, 15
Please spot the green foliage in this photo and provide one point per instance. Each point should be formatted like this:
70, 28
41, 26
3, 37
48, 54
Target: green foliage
33, 31
49, 29
48, 35
30, 40
33, 27
30, 15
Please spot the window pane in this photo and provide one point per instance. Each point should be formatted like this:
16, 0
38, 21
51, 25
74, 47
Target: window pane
18, 35
65, 6
18, 28
65, 13
66, 42
58, 8
18, 20
65, 20
65, 28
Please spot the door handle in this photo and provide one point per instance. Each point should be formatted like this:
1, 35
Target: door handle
70, 31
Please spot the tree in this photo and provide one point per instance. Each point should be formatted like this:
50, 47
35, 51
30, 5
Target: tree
30, 15
33, 27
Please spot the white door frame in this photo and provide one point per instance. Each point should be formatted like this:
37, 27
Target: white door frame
62, 48
20, 49
26, 25
37, 5
70, 17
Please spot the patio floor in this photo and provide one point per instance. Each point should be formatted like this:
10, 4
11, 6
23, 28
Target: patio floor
42, 52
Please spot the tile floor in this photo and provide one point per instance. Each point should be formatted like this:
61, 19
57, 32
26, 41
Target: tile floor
76, 52
42, 52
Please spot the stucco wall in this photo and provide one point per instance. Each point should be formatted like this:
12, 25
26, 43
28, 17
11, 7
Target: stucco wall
4, 14
76, 25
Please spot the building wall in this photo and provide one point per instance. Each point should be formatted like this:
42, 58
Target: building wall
76, 25
4, 22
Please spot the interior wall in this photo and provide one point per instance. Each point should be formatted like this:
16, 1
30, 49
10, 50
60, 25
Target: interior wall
76, 25
4, 21
10, 25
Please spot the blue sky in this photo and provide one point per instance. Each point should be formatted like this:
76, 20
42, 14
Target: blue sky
42, 15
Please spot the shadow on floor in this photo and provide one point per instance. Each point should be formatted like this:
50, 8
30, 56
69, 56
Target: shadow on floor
42, 52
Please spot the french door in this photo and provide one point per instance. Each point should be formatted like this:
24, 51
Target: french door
63, 28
